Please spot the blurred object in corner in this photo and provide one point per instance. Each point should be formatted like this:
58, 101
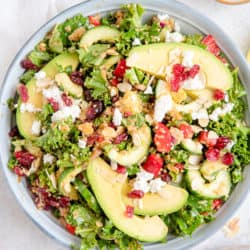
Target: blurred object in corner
233, 2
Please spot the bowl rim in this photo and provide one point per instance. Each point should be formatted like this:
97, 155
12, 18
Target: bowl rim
188, 15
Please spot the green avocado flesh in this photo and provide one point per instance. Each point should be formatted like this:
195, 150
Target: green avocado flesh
25, 119
107, 186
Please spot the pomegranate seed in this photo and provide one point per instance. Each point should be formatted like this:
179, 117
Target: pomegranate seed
129, 211
165, 176
67, 101
175, 83
227, 159
203, 138
136, 194
71, 229
18, 170
121, 169
54, 104
179, 166
217, 203
153, 164
76, 77
186, 130
64, 201
222, 142
23, 92
162, 24
24, 158
114, 82
211, 45
14, 132
94, 110
212, 154
178, 69
120, 138
194, 71
219, 95
28, 64
120, 69
94, 20
94, 138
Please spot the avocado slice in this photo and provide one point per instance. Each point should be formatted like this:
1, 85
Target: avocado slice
137, 153
55, 41
99, 33
169, 200
108, 63
107, 186
25, 120
153, 59
64, 182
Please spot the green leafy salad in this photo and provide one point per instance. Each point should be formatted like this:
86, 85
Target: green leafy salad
127, 130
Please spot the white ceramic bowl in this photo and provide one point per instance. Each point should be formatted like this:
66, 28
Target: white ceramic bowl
191, 22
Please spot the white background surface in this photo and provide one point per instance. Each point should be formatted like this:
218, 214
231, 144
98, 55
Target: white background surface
18, 20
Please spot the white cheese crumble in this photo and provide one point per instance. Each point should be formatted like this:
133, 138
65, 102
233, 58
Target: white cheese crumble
144, 175
187, 59
117, 117
174, 37
230, 145
113, 165
149, 89
124, 87
48, 158
162, 105
36, 127
163, 17
227, 108
136, 42
194, 159
200, 114
226, 98
73, 111
156, 185
194, 83
28, 107
141, 185
40, 75
212, 135
55, 93
82, 143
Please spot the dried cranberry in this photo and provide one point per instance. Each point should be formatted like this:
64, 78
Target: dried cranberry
54, 104
28, 64
94, 138
203, 138
212, 47
165, 176
186, 130
217, 203
94, 20
175, 83
222, 142
121, 169
228, 159
64, 201
76, 77
87, 95
136, 194
178, 69
212, 154
179, 166
23, 92
67, 101
129, 211
71, 229
153, 164
162, 24
52, 202
219, 95
94, 110
120, 138
115, 98
120, 69
194, 71
114, 82
24, 158
18, 170
14, 132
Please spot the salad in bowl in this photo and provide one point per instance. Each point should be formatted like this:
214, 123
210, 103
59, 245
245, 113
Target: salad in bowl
126, 130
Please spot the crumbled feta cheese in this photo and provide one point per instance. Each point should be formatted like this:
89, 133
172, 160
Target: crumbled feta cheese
144, 175
113, 91
194, 83
148, 90
200, 114
194, 159
156, 185
36, 127
162, 105
55, 93
124, 87
141, 185
212, 135
117, 117
48, 158
226, 98
196, 129
174, 37
73, 111
82, 143
28, 107
230, 145
40, 75
173, 58
227, 108
163, 16
187, 59
113, 165
136, 42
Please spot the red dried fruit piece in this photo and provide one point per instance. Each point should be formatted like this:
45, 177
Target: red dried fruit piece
114, 82
162, 24
87, 95
186, 130
179, 166
178, 69
162, 138
67, 101
76, 77
120, 138
211, 45
129, 211
23, 92
120, 69
165, 176
94, 110
217, 203
153, 164
28, 64
194, 71
94, 20
175, 83
203, 138
71, 229
227, 159
24, 158
94, 138
14, 132
212, 154
121, 169
54, 104
18, 170
219, 94
222, 142
64, 201
136, 194
115, 98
